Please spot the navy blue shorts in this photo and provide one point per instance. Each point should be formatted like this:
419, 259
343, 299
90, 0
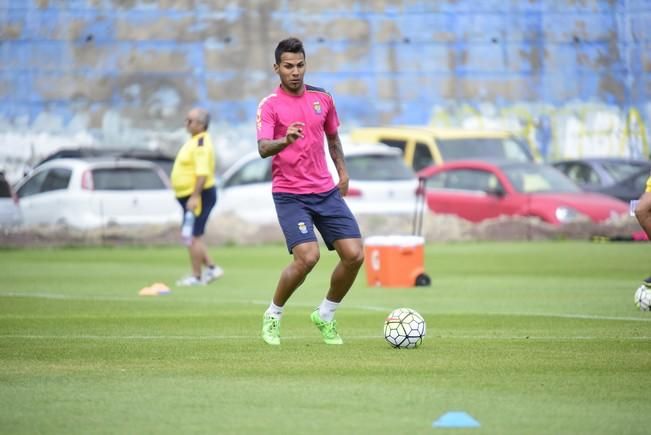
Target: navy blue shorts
208, 201
328, 212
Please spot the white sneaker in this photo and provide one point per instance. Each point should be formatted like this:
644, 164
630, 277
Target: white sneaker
189, 281
212, 274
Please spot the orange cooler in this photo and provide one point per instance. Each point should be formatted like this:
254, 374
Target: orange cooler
395, 261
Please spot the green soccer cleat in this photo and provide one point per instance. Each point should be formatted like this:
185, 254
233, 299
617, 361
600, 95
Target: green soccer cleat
328, 329
271, 330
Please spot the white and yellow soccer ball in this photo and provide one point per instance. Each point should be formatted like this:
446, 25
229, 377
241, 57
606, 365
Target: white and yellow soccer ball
642, 298
404, 328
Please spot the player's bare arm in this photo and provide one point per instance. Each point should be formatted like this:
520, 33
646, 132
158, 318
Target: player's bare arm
643, 212
337, 156
271, 147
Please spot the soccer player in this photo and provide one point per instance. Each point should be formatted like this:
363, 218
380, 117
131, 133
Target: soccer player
291, 123
193, 180
643, 215
643, 209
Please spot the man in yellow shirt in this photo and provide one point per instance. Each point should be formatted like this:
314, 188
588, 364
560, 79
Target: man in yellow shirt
643, 209
193, 181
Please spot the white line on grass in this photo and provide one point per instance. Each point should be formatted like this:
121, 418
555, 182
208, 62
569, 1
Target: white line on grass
68, 297
564, 316
313, 306
305, 337
572, 316
304, 305
34, 295
129, 337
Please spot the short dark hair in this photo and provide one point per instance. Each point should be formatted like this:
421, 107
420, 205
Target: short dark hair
289, 45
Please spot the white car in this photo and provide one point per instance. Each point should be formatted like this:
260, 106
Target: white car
92, 193
380, 184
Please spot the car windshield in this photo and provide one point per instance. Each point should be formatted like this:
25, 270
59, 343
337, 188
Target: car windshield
375, 167
622, 170
127, 179
539, 179
477, 148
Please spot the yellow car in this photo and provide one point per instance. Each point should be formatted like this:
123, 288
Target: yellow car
423, 146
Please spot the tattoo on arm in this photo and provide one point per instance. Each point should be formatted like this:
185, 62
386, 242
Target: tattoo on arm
337, 154
270, 147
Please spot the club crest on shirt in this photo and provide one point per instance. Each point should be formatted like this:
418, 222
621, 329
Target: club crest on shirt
317, 107
302, 227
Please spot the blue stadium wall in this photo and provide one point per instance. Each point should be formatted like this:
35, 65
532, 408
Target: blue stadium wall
572, 75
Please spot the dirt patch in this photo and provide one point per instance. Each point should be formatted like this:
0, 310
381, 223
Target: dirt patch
230, 230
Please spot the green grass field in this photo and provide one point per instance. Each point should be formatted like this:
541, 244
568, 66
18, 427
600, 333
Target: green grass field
524, 337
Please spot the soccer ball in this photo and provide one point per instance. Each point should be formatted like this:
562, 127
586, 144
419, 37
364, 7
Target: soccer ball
404, 328
642, 298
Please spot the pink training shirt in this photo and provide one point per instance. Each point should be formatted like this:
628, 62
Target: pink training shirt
301, 167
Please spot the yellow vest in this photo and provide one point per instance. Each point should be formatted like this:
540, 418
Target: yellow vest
648, 185
196, 158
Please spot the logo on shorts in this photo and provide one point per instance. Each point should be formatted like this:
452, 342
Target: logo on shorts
317, 107
302, 227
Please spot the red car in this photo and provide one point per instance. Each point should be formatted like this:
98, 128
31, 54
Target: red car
478, 190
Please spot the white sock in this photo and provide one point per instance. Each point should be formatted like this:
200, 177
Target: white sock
327, 310
275, 311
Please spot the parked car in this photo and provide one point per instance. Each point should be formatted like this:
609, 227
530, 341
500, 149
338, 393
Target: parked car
380, 183
631, 187
622, 178
164, 161
10, 214
91, 193
479, 190
422, 146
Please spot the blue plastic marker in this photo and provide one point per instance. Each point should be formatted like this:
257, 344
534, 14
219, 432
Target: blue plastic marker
455, 419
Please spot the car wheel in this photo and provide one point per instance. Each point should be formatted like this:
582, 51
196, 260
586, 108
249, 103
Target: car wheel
423, 280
